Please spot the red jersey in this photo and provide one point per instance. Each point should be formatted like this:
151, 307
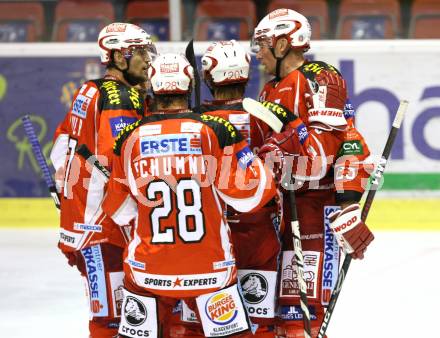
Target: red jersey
328, 156
253, 130
322, 158
249, 228
99, 111
170, 172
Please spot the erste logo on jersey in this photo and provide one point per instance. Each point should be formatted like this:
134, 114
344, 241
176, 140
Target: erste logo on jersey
254, 287
221, 308
80, 105
117, 124
170, 144
245, 157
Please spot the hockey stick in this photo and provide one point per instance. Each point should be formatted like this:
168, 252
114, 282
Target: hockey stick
190, 56
299, 258
38, 153
256, 109
365, 210
86, 154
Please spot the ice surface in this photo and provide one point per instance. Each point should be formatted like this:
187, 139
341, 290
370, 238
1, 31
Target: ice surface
392, 293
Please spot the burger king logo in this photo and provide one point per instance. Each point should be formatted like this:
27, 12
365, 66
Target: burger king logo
221, 309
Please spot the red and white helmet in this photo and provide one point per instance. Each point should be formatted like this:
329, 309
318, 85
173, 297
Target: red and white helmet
283, 23
123, 37
226, 62
171, 74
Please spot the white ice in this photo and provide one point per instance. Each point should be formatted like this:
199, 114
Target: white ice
392, 293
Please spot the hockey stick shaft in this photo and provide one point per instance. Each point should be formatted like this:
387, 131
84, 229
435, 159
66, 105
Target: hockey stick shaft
86, 154
38, 153
189, 53
299, 259
365, 210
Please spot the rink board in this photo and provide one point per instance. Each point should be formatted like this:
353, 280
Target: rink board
421, 214
408, 69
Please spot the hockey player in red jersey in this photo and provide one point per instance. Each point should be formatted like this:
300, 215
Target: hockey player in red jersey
226, 72
100, 110
316, 148
172, 171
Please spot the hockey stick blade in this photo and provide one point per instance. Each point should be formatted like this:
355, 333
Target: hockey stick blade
256, 109
365, 210
86, 154
38, 153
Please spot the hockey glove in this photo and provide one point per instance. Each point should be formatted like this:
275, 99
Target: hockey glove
279, 150
326, 99
351, 233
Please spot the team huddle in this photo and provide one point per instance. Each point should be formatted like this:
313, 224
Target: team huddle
189, 235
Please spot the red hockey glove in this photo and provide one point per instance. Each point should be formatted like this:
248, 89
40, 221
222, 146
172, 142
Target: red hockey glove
278, 151
352, 234
326, 99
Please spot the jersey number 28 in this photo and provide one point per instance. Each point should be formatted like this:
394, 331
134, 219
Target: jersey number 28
184, 211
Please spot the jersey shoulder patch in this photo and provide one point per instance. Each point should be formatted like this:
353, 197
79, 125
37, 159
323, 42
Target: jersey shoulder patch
116, 95
123, 135
83, 98
225, 131
313, 68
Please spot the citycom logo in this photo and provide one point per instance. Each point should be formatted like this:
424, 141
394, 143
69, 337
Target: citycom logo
221, 309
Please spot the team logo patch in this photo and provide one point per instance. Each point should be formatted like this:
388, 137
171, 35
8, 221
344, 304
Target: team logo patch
221, 308
119, 123
80, 105
254, 288
135, 312
245, 157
